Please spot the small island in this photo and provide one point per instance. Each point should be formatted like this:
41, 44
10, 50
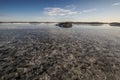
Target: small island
114, 24
65, 24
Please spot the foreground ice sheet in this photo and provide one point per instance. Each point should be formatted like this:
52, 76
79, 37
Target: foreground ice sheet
48, 52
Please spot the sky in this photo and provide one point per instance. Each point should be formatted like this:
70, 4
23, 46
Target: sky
60, 10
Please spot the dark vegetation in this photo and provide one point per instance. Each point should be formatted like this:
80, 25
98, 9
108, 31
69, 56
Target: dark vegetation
115, 24
64, 24
58, 22
27, 22
90, 23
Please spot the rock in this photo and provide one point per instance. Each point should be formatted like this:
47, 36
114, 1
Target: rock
22, 70
65, 24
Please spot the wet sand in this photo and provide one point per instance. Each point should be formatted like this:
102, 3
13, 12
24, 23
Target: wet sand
48, 52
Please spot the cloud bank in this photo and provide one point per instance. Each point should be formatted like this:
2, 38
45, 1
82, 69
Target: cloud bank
68, 10
58, 11
89, 10
116, 4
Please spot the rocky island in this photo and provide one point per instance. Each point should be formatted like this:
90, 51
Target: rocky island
65, 24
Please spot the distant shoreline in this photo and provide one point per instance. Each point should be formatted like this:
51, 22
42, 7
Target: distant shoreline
57, 22
91, 23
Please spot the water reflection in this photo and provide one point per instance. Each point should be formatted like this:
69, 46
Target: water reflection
105, 31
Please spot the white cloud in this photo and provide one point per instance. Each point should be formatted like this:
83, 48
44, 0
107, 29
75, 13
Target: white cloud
66, 11
89, 10
71, 7
116, 4
59, 11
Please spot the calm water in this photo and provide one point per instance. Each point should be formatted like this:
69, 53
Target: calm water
101, 33
46, 51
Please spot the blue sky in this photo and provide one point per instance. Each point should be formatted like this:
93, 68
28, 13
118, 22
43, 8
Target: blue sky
60, 10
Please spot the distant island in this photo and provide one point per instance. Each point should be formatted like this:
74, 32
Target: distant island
56, 22
89, 23
115, 24
26, 22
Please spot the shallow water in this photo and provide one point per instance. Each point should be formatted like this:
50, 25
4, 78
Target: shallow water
49, 52
99, 33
